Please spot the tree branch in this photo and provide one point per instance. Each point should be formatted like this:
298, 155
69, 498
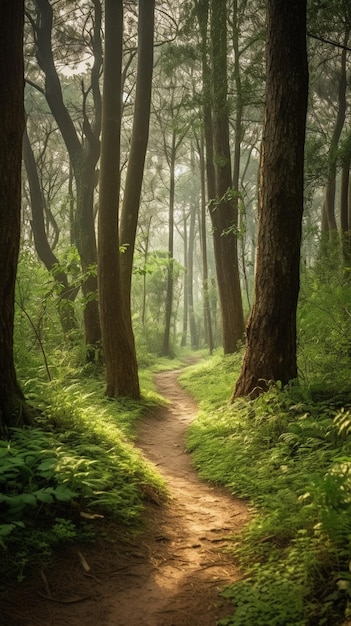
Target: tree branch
330, 42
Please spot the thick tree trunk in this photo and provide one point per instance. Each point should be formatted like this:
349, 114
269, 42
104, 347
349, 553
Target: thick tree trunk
66, 293
117, 338
13, 409
271, 332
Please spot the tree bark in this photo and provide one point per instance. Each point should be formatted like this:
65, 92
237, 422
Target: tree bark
117, 337
13, 409
224, 210
139, 141
270, 353
194, 340
203, 241
166, 348
184, 338
345, 209
329, 205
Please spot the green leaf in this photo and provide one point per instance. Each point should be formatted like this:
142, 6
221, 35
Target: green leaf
45, 495
63, 493
29, 498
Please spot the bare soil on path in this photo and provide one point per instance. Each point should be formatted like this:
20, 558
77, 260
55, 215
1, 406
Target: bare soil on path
172, 575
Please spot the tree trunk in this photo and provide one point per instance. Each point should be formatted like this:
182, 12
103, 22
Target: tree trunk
203, 241
185, 281
66, 293
206, 159
117, 338
190, 282
13, 409
224, 210
166, 349
333, 155
139, 141
270, 353
345, 209
84, 157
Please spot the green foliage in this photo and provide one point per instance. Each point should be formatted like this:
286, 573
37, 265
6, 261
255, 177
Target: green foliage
270, 602
150, 282
61, 478
288, 453
324, 328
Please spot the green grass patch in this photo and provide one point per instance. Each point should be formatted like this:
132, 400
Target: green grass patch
76, 467
289, 454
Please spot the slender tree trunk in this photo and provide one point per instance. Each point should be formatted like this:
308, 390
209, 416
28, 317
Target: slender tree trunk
185, 282
83, 156
224, 211
329, 205
139, 141
345, 209
66, 293
13, 409
117, 338
166, 349
146, 254
194, 340
238, 130
203, 241
270, 353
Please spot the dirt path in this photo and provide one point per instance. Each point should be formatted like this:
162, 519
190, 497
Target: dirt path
173, 575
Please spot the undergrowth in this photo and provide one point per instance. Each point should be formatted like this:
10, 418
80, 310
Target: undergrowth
77, 467
289, 454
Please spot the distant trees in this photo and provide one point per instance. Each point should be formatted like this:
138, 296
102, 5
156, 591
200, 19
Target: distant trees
13, 409
270, 353
187, 221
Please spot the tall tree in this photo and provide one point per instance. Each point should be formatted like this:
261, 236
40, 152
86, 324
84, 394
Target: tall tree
270, 353
224, 208
117, 336
84, 155
223, 202
138, 146
203, 241
329, 204
13, 410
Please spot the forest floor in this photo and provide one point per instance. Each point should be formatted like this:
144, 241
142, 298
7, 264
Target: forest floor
172, 574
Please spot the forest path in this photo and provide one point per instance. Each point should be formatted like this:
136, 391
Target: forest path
173, 574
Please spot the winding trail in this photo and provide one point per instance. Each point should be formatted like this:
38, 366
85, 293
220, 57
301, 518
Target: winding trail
187, 564
172, 575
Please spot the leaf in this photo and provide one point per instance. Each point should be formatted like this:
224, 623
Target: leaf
63, 493
45, 495
29, 498
6, 529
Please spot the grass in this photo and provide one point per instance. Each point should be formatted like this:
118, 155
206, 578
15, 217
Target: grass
289, 454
